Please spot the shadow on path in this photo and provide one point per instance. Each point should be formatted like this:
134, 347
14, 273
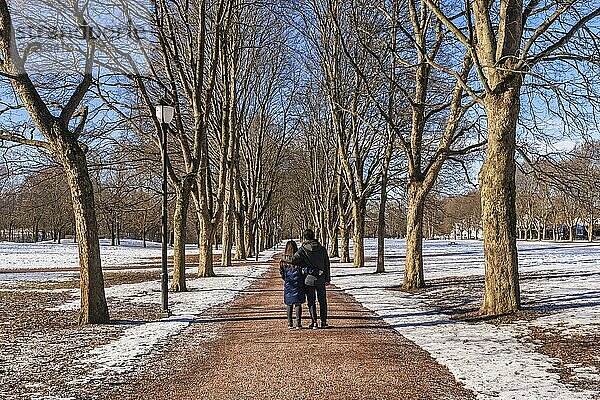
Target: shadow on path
256, 356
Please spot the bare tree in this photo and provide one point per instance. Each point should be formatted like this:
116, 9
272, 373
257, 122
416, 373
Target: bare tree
61, 134
436, 131
357, 134
505, 40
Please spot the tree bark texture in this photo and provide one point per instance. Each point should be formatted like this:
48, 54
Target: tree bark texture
240, 244
205, 252
413, 271
94, 308
182, 202
498, 207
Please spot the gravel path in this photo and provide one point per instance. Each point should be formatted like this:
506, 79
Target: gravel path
255, 356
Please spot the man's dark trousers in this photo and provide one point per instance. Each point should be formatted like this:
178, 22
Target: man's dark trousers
312, 294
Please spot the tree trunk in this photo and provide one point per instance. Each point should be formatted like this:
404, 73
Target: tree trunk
591, 229
498, 209
249, 228
111, 227
93, 301
344, 231
118, 233
322, 234
227, 231
571, 233
334, 250
240, 245
382, 203
413, 271
358, 234
260, 233
344, 242
205, 250
227, 247
182, 202
381, 227
34, 236
249, 237
240, 236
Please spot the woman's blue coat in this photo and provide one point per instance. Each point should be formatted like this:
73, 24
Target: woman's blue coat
293, 289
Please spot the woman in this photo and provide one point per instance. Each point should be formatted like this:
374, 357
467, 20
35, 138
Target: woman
293, 289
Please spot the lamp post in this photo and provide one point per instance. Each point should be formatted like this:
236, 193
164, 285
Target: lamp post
164, 113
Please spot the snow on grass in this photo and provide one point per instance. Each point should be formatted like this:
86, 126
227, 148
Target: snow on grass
123, 355
51, 256
140, 339
125, 345
491, 360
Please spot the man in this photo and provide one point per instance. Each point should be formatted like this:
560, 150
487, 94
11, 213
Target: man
315, 262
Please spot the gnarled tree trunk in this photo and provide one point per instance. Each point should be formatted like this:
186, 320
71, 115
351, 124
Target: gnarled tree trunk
249, 237
227, 231
498, 208
240, 245
344, 243
94, 308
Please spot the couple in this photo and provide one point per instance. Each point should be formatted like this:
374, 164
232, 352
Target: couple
305, 271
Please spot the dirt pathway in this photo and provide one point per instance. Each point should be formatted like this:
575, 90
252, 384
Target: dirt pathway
255, 356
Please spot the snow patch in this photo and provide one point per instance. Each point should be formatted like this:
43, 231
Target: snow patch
52, 256
123, 355
493, 361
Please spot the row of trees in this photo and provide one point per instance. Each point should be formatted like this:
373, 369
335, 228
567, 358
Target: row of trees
38, 209
221, 63
414, 86
552, 204
291, 114
37, 206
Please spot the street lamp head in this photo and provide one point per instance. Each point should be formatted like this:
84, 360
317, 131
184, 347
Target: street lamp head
164, 111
